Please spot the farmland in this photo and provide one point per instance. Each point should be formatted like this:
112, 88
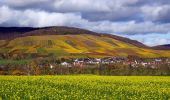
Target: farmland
85, 87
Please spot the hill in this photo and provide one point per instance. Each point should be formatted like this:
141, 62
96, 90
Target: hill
71, 42
162, 47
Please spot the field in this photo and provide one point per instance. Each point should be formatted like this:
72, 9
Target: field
84, 87
15, 62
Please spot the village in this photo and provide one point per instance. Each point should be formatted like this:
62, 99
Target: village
144, 62
99, 66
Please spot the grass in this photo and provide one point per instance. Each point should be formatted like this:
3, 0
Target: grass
15, 62
2, 42
84, 87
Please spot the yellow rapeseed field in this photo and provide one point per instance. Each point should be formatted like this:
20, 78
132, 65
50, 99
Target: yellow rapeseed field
84, 87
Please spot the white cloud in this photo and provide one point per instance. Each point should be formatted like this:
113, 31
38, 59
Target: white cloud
108, 16
22, 3
132, 27
71, 5
156, 13
82, 5
38, 18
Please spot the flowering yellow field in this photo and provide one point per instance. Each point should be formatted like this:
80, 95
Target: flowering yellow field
84, 87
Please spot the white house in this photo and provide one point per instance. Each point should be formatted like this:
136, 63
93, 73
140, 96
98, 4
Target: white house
64, 64
51, 66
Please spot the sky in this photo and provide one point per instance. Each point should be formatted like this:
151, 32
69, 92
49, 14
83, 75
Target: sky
147, 21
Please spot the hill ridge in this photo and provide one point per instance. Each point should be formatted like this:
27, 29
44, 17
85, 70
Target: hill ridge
15, 32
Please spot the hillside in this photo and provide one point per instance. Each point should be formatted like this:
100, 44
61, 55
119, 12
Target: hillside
162, 47
71, 42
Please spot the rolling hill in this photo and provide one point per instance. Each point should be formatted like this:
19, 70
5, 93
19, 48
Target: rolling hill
71, 42
162, 47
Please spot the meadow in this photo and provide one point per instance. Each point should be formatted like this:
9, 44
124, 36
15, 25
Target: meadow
84, 87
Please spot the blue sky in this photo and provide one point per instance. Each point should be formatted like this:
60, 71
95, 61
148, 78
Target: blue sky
151, 39
147, 21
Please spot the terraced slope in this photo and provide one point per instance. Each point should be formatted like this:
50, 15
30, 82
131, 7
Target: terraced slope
76, 45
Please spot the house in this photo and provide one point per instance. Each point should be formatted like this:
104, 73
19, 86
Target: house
144, 63
158, 60
51, 66
64, 64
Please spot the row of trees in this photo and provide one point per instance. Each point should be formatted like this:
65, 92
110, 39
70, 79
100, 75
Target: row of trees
42, 66
35, 68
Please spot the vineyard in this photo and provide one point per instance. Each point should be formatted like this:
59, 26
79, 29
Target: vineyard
86, 87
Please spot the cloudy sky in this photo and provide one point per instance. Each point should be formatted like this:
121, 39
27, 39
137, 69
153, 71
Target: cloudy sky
147, 21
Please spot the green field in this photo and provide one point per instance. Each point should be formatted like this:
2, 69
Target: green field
15, 62
84, 87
